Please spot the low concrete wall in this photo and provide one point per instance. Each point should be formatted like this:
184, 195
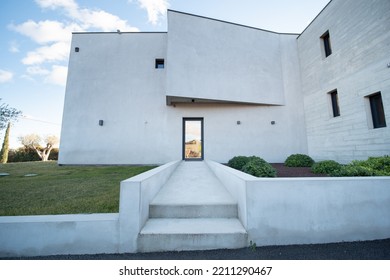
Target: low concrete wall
281, 211
58, 234
135, 196
86, 234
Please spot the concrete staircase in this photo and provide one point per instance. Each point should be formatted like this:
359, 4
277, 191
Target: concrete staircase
192, 211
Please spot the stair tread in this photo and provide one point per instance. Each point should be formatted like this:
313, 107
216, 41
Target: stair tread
193, 226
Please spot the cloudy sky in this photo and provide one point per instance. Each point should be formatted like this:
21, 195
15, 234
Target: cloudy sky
36, 36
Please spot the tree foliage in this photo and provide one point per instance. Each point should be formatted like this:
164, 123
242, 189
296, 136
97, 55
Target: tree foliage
34, 141
8, 114
5, 147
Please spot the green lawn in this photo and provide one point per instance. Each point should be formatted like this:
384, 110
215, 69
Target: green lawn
61, 189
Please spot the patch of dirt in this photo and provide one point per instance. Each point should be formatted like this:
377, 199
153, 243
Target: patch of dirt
285, 171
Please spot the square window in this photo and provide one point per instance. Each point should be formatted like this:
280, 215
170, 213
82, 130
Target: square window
159, 63
335, 103
377, 111
326, 43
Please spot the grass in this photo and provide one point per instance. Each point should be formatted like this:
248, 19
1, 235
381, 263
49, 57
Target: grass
61, 189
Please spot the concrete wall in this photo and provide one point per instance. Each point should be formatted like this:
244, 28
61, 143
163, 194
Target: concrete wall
282, 211
135, 196
112, 78
59, 234
360, 39
216, 60
86, 234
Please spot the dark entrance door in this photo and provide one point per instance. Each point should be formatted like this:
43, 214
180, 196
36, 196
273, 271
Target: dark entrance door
193, 139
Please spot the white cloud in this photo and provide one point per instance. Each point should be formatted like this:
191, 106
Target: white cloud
13, 47
87, 18
51, 53
53, 4
54, 37
57, 75
5, 76
154, 8
103, 21
37, 70
47, 31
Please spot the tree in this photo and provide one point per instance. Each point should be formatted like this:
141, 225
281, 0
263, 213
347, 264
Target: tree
5, 147
7, 114
34, 141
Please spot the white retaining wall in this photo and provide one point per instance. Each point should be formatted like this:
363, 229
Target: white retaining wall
281, 211
86, 234
58, 234
274, 211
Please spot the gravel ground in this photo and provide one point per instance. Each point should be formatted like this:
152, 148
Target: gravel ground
362, 250
285, 171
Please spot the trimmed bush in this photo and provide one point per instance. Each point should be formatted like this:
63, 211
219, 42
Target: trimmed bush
258, 167
299, 160
380, 165
238, 162
325, 167
352, 171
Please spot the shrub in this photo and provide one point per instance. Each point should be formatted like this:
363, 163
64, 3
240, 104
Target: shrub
353, 170
238, 162
23, 154
258, 167
325, 167
299, 160
380, 165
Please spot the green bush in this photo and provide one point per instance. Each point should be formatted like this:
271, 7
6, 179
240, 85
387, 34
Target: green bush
299, 160
352, 171
238, 162
325, 167
380, 165
23, 154
258, 167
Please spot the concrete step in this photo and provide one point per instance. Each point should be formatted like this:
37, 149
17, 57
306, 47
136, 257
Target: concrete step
191, 234
193, 211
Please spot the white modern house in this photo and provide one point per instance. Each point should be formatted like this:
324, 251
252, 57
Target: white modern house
210, 89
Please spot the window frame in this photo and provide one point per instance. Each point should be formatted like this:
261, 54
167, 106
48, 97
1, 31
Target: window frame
326, 44
378, 116
159, 62
334, 102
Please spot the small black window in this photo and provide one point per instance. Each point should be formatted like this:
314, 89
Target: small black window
377, 111
159, 63
326, 41
76, 49
335, 103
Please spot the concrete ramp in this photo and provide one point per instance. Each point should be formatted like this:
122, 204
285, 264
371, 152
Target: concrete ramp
192, 211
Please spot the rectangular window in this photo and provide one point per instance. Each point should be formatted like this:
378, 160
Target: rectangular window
335, 103
159, 63
377, 111
326, 42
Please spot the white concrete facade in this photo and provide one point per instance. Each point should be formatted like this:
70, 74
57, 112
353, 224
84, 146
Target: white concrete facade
359, 33
258, 92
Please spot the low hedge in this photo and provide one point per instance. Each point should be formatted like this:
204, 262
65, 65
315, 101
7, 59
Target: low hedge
299, 160
238, 162
325, 167
253, 165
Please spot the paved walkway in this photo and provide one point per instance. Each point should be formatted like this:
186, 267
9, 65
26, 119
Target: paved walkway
193, 183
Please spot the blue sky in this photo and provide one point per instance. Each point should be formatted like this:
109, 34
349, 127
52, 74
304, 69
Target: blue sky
36, 36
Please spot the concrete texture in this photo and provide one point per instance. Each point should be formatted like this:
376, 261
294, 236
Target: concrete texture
192, 211
58, 234
360, 39
283, 211
193, 183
